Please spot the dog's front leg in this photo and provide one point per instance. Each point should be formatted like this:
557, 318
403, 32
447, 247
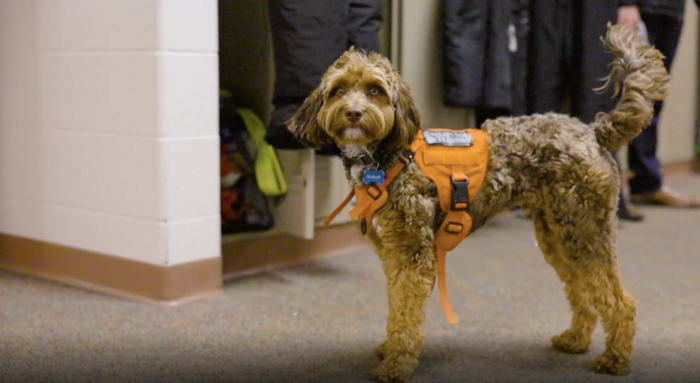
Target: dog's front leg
410, 272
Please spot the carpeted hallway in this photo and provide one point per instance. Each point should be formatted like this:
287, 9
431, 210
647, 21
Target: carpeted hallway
319, 322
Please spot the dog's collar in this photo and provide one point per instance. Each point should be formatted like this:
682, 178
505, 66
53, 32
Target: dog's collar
362, 159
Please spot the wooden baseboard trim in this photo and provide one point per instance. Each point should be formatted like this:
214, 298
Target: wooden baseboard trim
256, 255
161, 285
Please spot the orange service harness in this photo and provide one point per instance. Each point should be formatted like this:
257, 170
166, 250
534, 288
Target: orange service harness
456, 161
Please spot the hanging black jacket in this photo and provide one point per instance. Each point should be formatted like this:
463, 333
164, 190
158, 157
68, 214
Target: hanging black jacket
307, 37
566, 59
672, 8
484, 47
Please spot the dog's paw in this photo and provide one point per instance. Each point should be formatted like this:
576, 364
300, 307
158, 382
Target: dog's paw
397, 370
611, 364
571, 342
380, 351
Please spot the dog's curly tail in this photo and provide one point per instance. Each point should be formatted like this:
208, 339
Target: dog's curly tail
644, 79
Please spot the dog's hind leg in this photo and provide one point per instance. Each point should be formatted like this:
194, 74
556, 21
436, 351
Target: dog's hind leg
410, 271
577, 339
590, 247
616, 307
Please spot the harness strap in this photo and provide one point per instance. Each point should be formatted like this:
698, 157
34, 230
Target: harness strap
442, 286
393, 172
440, 251
458, 173
373, 190
340, 208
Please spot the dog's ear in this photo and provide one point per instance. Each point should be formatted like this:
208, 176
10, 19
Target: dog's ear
304, 124
406, 119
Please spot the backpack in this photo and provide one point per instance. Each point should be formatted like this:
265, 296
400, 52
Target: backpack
244, 207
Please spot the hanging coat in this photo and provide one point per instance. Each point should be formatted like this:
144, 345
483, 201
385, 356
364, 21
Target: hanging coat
671, 8
307, 37
485, 48
566, 58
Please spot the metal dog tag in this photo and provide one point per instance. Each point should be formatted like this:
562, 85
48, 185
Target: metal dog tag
446, 138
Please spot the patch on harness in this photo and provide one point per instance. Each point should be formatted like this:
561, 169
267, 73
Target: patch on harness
446, 138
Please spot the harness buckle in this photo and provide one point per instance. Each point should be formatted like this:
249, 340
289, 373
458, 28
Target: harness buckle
460, 194
406, 157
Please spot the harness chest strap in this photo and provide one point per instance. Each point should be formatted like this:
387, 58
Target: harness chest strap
368, 198
441, 255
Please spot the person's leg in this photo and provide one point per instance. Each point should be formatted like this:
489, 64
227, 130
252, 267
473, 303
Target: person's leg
664, 33
547, 62
625, 209
642, 159
549, 32
647, 181
591, 63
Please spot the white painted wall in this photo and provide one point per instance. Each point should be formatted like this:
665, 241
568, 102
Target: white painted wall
109, 126
676, 126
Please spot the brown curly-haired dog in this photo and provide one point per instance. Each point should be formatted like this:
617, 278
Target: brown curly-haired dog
555, 166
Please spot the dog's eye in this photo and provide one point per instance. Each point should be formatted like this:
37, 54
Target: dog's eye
374, 91
339, 91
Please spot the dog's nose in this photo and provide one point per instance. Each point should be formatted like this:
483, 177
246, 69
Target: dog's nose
353, 114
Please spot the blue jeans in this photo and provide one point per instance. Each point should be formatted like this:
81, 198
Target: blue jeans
664, 33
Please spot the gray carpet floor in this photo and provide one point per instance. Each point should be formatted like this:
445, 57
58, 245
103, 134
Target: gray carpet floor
319, 322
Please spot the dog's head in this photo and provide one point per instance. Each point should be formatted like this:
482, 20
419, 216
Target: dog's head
362, 99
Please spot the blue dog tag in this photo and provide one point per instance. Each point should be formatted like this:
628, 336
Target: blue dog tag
370, 176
